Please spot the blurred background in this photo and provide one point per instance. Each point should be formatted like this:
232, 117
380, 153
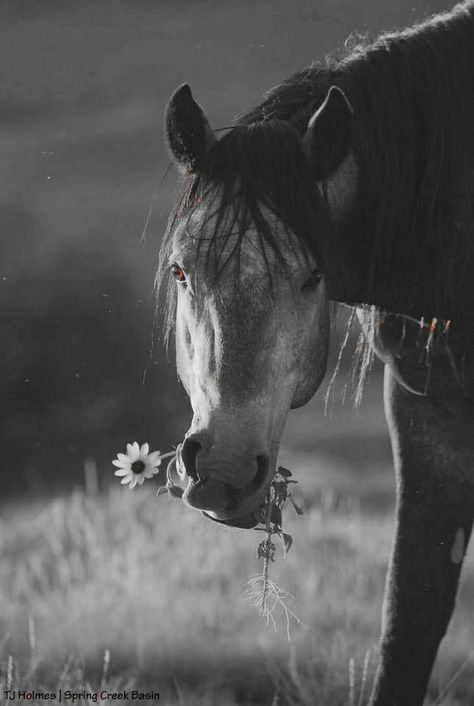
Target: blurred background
82, 92
83, 206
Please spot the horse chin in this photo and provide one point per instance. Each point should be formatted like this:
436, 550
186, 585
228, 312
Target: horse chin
244, 522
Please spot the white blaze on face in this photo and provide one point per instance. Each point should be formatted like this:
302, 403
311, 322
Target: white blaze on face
459, 547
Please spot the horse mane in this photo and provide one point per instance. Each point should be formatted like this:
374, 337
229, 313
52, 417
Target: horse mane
411, 158
407, 229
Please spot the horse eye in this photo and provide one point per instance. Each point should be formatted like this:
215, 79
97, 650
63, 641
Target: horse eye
312, 282
178, 273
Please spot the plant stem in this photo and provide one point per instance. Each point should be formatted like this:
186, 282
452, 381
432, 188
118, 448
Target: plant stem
266, 560
168, 454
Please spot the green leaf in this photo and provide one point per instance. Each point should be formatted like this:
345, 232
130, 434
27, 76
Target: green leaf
284, 472
261, 551
298, 510
276, 517
281, 492
287, 542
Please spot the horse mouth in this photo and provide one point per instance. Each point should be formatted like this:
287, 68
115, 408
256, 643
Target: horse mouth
230, 515
220, 502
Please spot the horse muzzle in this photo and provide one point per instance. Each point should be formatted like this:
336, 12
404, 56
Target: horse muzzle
220, 500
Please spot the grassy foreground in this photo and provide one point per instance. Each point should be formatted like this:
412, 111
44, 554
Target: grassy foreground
155, 588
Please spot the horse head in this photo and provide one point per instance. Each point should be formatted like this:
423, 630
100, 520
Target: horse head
247, 247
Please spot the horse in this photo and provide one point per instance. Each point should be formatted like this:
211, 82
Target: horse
351, 182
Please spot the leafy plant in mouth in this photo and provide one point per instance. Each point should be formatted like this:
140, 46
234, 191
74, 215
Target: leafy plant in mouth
260, 591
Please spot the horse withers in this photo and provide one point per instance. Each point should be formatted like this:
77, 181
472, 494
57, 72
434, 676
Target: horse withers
353, 181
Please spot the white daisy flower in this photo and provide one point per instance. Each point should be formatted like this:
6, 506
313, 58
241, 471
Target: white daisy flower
137, 464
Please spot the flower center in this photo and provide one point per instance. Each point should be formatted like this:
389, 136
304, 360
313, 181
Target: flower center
138, 467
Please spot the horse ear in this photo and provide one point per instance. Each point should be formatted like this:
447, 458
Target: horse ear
187, 130
328, 136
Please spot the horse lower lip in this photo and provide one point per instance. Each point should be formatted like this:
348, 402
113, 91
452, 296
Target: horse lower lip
244, 522
196, 495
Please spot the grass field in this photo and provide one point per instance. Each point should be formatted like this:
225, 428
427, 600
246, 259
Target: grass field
159, 588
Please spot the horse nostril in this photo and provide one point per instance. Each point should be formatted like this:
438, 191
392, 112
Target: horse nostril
189, 451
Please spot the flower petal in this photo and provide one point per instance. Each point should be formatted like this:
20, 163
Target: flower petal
154, 458
141, 479
125, 480
121, 464
122, 472
133, 482
145, 448
122, 457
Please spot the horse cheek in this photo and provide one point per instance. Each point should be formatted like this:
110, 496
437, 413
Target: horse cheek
313, 356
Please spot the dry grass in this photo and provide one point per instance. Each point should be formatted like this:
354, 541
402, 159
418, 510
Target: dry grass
159, 587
